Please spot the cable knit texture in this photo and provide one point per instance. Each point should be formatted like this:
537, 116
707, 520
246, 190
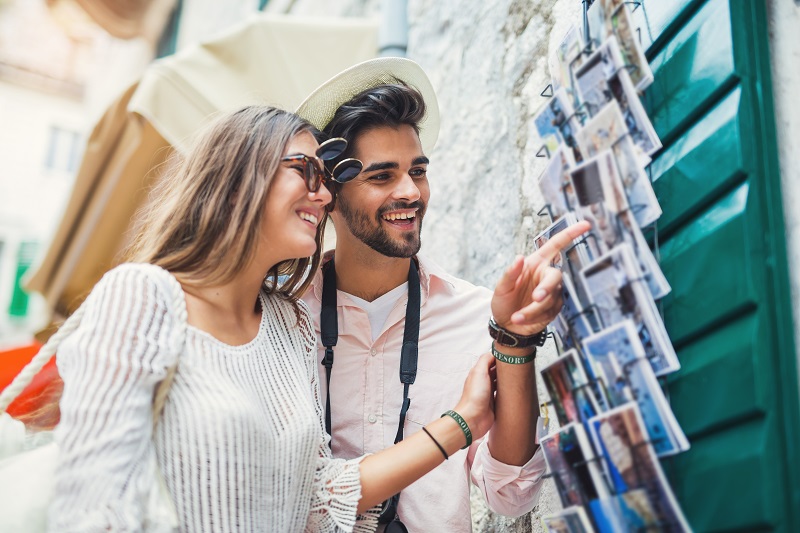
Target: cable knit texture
241, 441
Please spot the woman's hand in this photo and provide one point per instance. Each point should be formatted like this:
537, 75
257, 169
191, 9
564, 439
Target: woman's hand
476, 405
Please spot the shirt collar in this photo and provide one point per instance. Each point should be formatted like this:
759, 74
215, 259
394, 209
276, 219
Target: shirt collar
431, 277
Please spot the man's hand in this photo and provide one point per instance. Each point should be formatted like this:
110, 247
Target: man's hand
528, 296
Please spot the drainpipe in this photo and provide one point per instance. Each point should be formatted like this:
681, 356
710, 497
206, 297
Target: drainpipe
393, 35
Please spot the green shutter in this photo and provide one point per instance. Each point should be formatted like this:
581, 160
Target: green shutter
19, 298
722, 247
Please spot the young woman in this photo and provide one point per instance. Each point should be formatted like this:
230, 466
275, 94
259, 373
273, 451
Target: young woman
241, 442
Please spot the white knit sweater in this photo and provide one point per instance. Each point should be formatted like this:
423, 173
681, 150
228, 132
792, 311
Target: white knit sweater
241, 442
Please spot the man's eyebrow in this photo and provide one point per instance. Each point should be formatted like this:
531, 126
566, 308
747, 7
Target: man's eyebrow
421, 160
381, 166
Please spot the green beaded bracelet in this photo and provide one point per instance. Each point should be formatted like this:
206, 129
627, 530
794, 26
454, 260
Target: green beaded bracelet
513, 359
462, 424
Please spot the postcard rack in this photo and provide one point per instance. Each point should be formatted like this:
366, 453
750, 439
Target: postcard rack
607, 385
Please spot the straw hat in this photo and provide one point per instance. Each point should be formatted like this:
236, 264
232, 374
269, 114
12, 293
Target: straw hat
322, 104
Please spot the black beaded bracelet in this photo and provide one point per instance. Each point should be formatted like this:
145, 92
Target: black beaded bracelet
462, 424
436, 442
513, 359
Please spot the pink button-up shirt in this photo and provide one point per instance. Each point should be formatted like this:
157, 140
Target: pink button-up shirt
366, 396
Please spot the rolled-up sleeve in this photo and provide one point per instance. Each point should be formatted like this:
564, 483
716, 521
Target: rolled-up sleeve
509, 490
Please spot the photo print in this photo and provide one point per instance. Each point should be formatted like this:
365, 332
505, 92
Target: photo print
600, 197
573, 323
569, 389
607, 131
573, 466
573, 519
555, 185
613, 17
577, 253
631, 511
603, 78
630, 464
566, 57
619, 360
556, 124
602, 201
615, 286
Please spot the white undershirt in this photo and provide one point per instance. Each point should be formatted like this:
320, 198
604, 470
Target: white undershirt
378, 309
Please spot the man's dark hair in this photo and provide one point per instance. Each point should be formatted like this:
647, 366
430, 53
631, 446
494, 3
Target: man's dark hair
390, 105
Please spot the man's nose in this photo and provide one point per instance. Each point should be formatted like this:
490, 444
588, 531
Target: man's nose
406, 189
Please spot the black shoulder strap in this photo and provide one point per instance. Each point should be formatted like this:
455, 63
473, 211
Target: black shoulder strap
409, 353
329, 330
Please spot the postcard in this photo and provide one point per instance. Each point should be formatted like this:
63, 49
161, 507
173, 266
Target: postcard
571, 262
603, 78
630, 463
573, 519
556, 124
554, 182
601, 200
565, 58
613, 17
569, 389
615, 286
573, 466
607, 131
630, 511
573, 323
619, 360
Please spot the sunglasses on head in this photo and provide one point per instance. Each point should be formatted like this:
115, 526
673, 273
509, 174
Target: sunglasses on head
314, 170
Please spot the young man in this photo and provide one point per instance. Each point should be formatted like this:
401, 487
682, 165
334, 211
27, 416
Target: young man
387, 111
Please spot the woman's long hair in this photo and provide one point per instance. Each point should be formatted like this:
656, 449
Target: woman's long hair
204, 216
202, 221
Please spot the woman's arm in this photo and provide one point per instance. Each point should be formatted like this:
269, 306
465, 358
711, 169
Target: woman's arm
111, 366
387, 472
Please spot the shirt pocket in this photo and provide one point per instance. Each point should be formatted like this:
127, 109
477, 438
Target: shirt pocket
438, 387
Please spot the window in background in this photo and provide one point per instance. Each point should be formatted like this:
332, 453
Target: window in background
19, 298
63, 150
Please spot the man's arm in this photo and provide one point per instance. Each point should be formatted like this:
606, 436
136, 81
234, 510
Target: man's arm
527, 298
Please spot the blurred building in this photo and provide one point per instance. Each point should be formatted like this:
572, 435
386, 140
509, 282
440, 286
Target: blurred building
59, 70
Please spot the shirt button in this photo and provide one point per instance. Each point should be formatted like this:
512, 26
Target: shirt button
373, 352
372, 419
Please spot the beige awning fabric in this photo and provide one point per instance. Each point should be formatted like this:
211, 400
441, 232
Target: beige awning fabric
270, 59
126, 19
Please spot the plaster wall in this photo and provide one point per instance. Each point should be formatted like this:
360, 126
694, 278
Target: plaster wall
784, 21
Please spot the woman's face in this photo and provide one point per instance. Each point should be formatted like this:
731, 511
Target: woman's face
292, 213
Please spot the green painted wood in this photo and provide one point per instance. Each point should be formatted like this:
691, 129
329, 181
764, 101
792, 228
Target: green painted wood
710, 264
654, 17
731, 486
701, 164
722, 246
691, 69
721, 372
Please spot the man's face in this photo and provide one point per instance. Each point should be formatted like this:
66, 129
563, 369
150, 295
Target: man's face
383, 206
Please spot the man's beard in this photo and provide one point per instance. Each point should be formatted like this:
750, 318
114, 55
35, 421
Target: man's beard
375, 236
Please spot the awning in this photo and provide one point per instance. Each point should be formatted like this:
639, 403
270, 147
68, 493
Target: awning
270, 59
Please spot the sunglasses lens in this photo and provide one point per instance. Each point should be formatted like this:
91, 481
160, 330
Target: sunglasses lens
347, 170
331, 149
314, 175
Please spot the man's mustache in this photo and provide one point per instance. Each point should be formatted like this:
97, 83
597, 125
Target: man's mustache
420, 206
